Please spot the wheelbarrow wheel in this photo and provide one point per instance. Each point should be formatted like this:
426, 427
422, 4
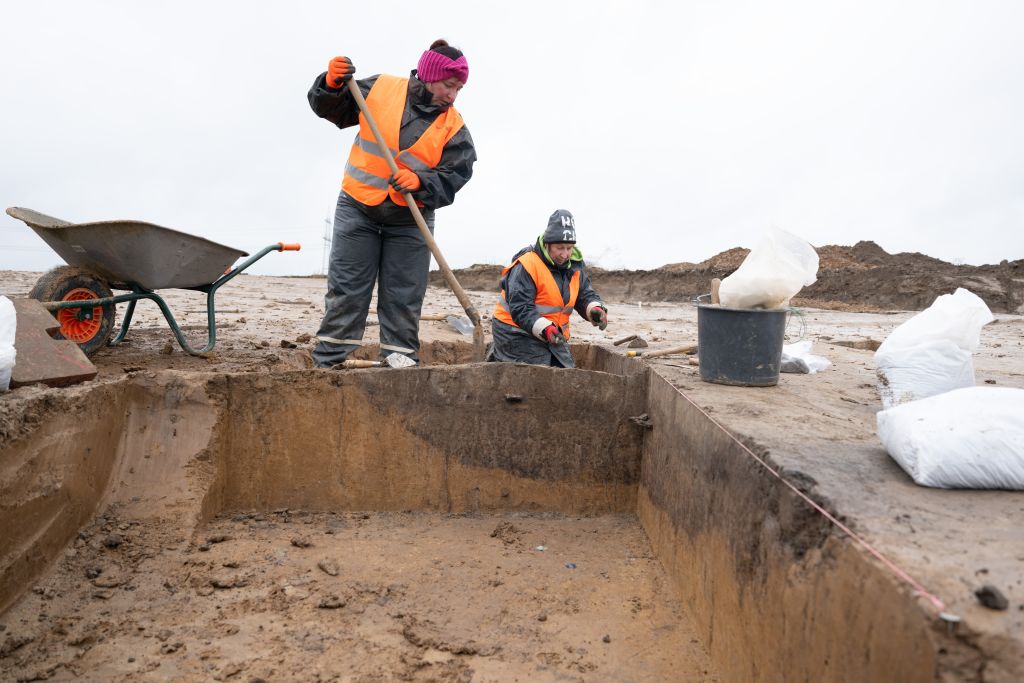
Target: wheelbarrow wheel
90, 328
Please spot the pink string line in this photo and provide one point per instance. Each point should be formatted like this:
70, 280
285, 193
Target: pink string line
939, 605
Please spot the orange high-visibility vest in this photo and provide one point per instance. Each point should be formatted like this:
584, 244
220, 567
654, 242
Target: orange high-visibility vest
549, 298
367, 172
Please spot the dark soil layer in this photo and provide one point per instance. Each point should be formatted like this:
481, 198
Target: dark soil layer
863, 277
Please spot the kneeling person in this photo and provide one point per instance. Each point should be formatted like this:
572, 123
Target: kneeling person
539, 292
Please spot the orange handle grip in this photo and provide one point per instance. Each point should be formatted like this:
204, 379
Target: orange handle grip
289, 247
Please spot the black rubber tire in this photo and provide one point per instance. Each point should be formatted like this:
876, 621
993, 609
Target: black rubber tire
59, 282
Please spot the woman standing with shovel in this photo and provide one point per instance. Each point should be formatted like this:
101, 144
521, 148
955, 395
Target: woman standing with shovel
375, 235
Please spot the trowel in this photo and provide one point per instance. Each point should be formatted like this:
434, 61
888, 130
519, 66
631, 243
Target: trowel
395, 360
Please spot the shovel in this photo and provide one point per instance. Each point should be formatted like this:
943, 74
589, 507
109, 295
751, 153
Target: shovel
449, 276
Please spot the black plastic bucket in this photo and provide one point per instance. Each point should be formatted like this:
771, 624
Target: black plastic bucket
740, 346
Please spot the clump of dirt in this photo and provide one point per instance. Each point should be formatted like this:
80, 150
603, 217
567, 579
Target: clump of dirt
863, 277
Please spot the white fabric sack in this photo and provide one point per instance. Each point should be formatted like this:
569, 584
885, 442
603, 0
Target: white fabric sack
774, 271
967, 438
801, 351
931, 352
8, 325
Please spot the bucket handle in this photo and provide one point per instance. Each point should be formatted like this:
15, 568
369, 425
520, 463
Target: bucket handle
701, 299
801, 317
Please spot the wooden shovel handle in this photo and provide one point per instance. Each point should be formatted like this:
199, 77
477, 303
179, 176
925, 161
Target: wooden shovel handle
689, 348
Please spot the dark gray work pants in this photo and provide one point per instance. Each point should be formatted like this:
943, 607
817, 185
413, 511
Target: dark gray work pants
391, 253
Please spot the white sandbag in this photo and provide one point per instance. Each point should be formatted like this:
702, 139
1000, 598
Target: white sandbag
8, 326
774, 271
799, 359
967, 438
932, 352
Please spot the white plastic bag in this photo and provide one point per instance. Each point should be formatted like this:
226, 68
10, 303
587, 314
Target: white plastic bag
931, 352
774, 271
967, 438
8, 325
798, 358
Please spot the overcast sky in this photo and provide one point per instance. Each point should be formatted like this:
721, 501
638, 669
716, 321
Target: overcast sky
673, 130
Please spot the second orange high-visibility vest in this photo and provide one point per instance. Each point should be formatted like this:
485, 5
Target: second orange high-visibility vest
549, 298
367, 172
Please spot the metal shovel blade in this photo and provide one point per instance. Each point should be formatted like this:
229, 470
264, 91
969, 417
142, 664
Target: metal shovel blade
461, 324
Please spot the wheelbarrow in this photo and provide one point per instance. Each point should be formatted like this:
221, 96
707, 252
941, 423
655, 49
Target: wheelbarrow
128, 255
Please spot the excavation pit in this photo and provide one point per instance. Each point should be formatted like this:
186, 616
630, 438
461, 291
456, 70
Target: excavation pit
464, 522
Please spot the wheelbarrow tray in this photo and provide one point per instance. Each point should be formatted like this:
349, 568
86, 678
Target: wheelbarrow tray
133, 252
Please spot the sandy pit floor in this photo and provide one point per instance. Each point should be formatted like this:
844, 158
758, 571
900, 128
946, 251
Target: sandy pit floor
356, 597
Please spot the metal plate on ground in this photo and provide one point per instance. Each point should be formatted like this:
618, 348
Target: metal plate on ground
41, 359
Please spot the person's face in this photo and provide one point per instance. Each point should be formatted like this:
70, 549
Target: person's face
444, 92
560, 252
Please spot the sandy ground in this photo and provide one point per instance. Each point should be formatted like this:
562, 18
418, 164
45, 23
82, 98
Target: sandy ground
256, 314
361, 597
819, 426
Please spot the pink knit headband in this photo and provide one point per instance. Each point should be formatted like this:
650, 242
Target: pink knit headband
435, 66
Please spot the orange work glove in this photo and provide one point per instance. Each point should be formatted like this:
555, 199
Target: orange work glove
405, 181
339, 71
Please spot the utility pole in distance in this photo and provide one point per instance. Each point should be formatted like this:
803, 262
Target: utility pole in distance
327, 246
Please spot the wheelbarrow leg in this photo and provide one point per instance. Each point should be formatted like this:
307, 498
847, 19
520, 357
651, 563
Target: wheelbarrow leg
125, 324
179, 335
211, 325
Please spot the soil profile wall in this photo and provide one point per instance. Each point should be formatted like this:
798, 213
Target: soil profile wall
133, 442
496, 437
776, 594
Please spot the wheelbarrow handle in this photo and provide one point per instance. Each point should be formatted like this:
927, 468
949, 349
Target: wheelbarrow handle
288, 247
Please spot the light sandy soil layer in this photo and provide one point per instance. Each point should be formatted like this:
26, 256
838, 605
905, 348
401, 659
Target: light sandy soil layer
288, 595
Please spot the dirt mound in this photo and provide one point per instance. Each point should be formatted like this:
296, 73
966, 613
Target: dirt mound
866, 275
481, 276
862, 277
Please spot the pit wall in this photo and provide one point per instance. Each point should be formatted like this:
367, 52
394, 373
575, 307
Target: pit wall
491, 438
775, 592
137, 443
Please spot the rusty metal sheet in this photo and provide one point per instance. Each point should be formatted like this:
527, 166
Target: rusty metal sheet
127, 251
41, 359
